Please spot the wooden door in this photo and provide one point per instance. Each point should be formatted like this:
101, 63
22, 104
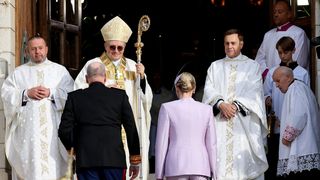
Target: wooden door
59, 21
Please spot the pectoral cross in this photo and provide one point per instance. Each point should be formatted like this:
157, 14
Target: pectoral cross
118, 74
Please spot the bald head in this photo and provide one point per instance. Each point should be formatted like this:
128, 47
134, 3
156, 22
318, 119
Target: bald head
283, 77
96, 72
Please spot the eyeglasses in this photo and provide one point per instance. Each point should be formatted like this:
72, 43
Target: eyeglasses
113, 48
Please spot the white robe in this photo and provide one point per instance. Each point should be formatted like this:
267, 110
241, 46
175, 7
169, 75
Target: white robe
270, 89
241, 154
301, 116
32, 145
146, 100
267, 55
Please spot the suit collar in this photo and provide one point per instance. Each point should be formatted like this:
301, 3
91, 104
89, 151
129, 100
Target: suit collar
94, 84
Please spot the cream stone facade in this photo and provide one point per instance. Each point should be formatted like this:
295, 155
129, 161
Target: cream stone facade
7, 64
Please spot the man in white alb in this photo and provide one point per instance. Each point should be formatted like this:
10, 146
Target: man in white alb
34, 96
274, 98
234, 88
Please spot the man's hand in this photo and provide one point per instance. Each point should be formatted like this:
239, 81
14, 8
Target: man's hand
228, 110
140, 70
133, 171
38, 92
286, 142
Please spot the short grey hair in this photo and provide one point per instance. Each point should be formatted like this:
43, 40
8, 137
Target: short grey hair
96, 69
284, 71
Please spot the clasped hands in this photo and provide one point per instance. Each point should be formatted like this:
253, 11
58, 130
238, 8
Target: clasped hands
38, 92
285, 142
228, 110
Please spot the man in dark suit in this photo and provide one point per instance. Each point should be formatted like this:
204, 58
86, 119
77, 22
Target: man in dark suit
91, 123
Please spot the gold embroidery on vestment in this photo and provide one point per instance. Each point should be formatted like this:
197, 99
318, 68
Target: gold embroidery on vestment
44, 169
44, 151
40, 77
229, 125
44, 132
42, 114
229, 134
119, 73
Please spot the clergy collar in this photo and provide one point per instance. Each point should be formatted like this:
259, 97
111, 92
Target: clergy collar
116, 62
292, 82
284, 27
96, 83
235, 58
44, 62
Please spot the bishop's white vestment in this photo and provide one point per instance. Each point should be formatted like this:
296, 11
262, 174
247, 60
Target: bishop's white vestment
32, 145
240, 140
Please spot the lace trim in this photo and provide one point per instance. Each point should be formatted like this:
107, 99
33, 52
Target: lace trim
290, 133
298, 164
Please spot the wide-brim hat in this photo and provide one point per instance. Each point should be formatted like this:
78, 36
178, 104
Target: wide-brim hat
116, 29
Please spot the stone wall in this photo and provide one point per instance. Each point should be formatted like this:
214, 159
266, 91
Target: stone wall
7, 63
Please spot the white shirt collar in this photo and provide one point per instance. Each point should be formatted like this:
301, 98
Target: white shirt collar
237, 57
116, 62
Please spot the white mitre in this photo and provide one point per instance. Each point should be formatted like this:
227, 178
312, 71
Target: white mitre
116, 29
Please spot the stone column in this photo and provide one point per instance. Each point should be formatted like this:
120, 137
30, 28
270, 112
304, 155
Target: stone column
7, 64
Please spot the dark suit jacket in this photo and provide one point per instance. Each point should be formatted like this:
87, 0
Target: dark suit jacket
91, 123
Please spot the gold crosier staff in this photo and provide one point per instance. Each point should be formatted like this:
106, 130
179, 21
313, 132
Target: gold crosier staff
144, 24
69, 173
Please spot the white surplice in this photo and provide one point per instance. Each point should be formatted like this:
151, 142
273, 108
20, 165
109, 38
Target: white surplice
32, 145
240, 146
299, 122
270, 89
267, 55
131, 88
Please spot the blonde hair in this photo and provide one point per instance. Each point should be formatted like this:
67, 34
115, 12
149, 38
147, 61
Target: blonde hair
185, 82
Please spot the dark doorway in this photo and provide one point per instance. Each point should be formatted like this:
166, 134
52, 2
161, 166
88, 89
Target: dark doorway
183, 36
